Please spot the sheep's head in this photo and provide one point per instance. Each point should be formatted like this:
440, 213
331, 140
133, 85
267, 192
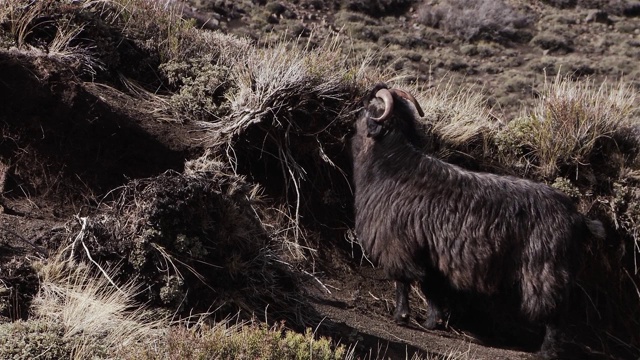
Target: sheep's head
388, 109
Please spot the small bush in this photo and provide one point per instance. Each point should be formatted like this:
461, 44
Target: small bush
379, 8
477, 19
562, 4
565, 185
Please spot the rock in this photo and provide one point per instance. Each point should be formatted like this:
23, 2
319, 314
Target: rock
272, 19
276, 8
631, 9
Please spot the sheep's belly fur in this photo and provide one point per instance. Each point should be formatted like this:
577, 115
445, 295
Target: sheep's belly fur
483, 232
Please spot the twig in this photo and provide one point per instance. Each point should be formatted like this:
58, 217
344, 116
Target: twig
170, 258
80, 237
318, 280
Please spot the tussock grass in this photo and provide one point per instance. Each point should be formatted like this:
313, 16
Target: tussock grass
55, 37
272, 83
147, 20
79, 313
568, 120
457, 116
89, 305
286, 93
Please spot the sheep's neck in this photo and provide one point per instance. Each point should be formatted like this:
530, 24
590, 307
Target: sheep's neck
399, 158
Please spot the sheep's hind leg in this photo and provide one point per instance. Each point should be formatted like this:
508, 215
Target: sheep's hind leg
549, 348
402, 312
554, 343
434, 292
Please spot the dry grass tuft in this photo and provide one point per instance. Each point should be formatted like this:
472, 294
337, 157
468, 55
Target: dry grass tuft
457, 116
49, 28
568, 121
273, 82
79, 313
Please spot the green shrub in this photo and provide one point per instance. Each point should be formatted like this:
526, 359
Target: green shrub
200, 86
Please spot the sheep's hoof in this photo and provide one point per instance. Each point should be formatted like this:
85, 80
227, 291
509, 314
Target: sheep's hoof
401, 318
547, 354
431, 322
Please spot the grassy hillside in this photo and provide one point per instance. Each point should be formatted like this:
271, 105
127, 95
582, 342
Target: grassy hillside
197, 162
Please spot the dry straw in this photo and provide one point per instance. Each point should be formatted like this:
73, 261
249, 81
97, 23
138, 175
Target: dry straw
95, 314
571, 116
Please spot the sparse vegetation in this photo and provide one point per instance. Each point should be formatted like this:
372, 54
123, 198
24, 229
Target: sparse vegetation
225, 340
79, 313
477, 20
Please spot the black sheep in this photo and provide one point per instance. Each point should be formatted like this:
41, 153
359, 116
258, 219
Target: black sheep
429, 221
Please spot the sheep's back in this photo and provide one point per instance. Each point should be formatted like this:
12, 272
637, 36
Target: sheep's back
482, 231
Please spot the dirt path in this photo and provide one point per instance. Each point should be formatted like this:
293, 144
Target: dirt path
356, 304
393, 341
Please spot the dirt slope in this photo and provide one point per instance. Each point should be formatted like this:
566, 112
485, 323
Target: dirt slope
359, 309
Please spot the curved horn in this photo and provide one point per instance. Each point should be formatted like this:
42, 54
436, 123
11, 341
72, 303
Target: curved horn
409, 97
387, 98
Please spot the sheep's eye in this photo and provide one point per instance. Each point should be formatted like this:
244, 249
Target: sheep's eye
374, 129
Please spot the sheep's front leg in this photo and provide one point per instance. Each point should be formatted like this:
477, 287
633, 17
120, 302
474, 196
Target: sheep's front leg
402, 312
